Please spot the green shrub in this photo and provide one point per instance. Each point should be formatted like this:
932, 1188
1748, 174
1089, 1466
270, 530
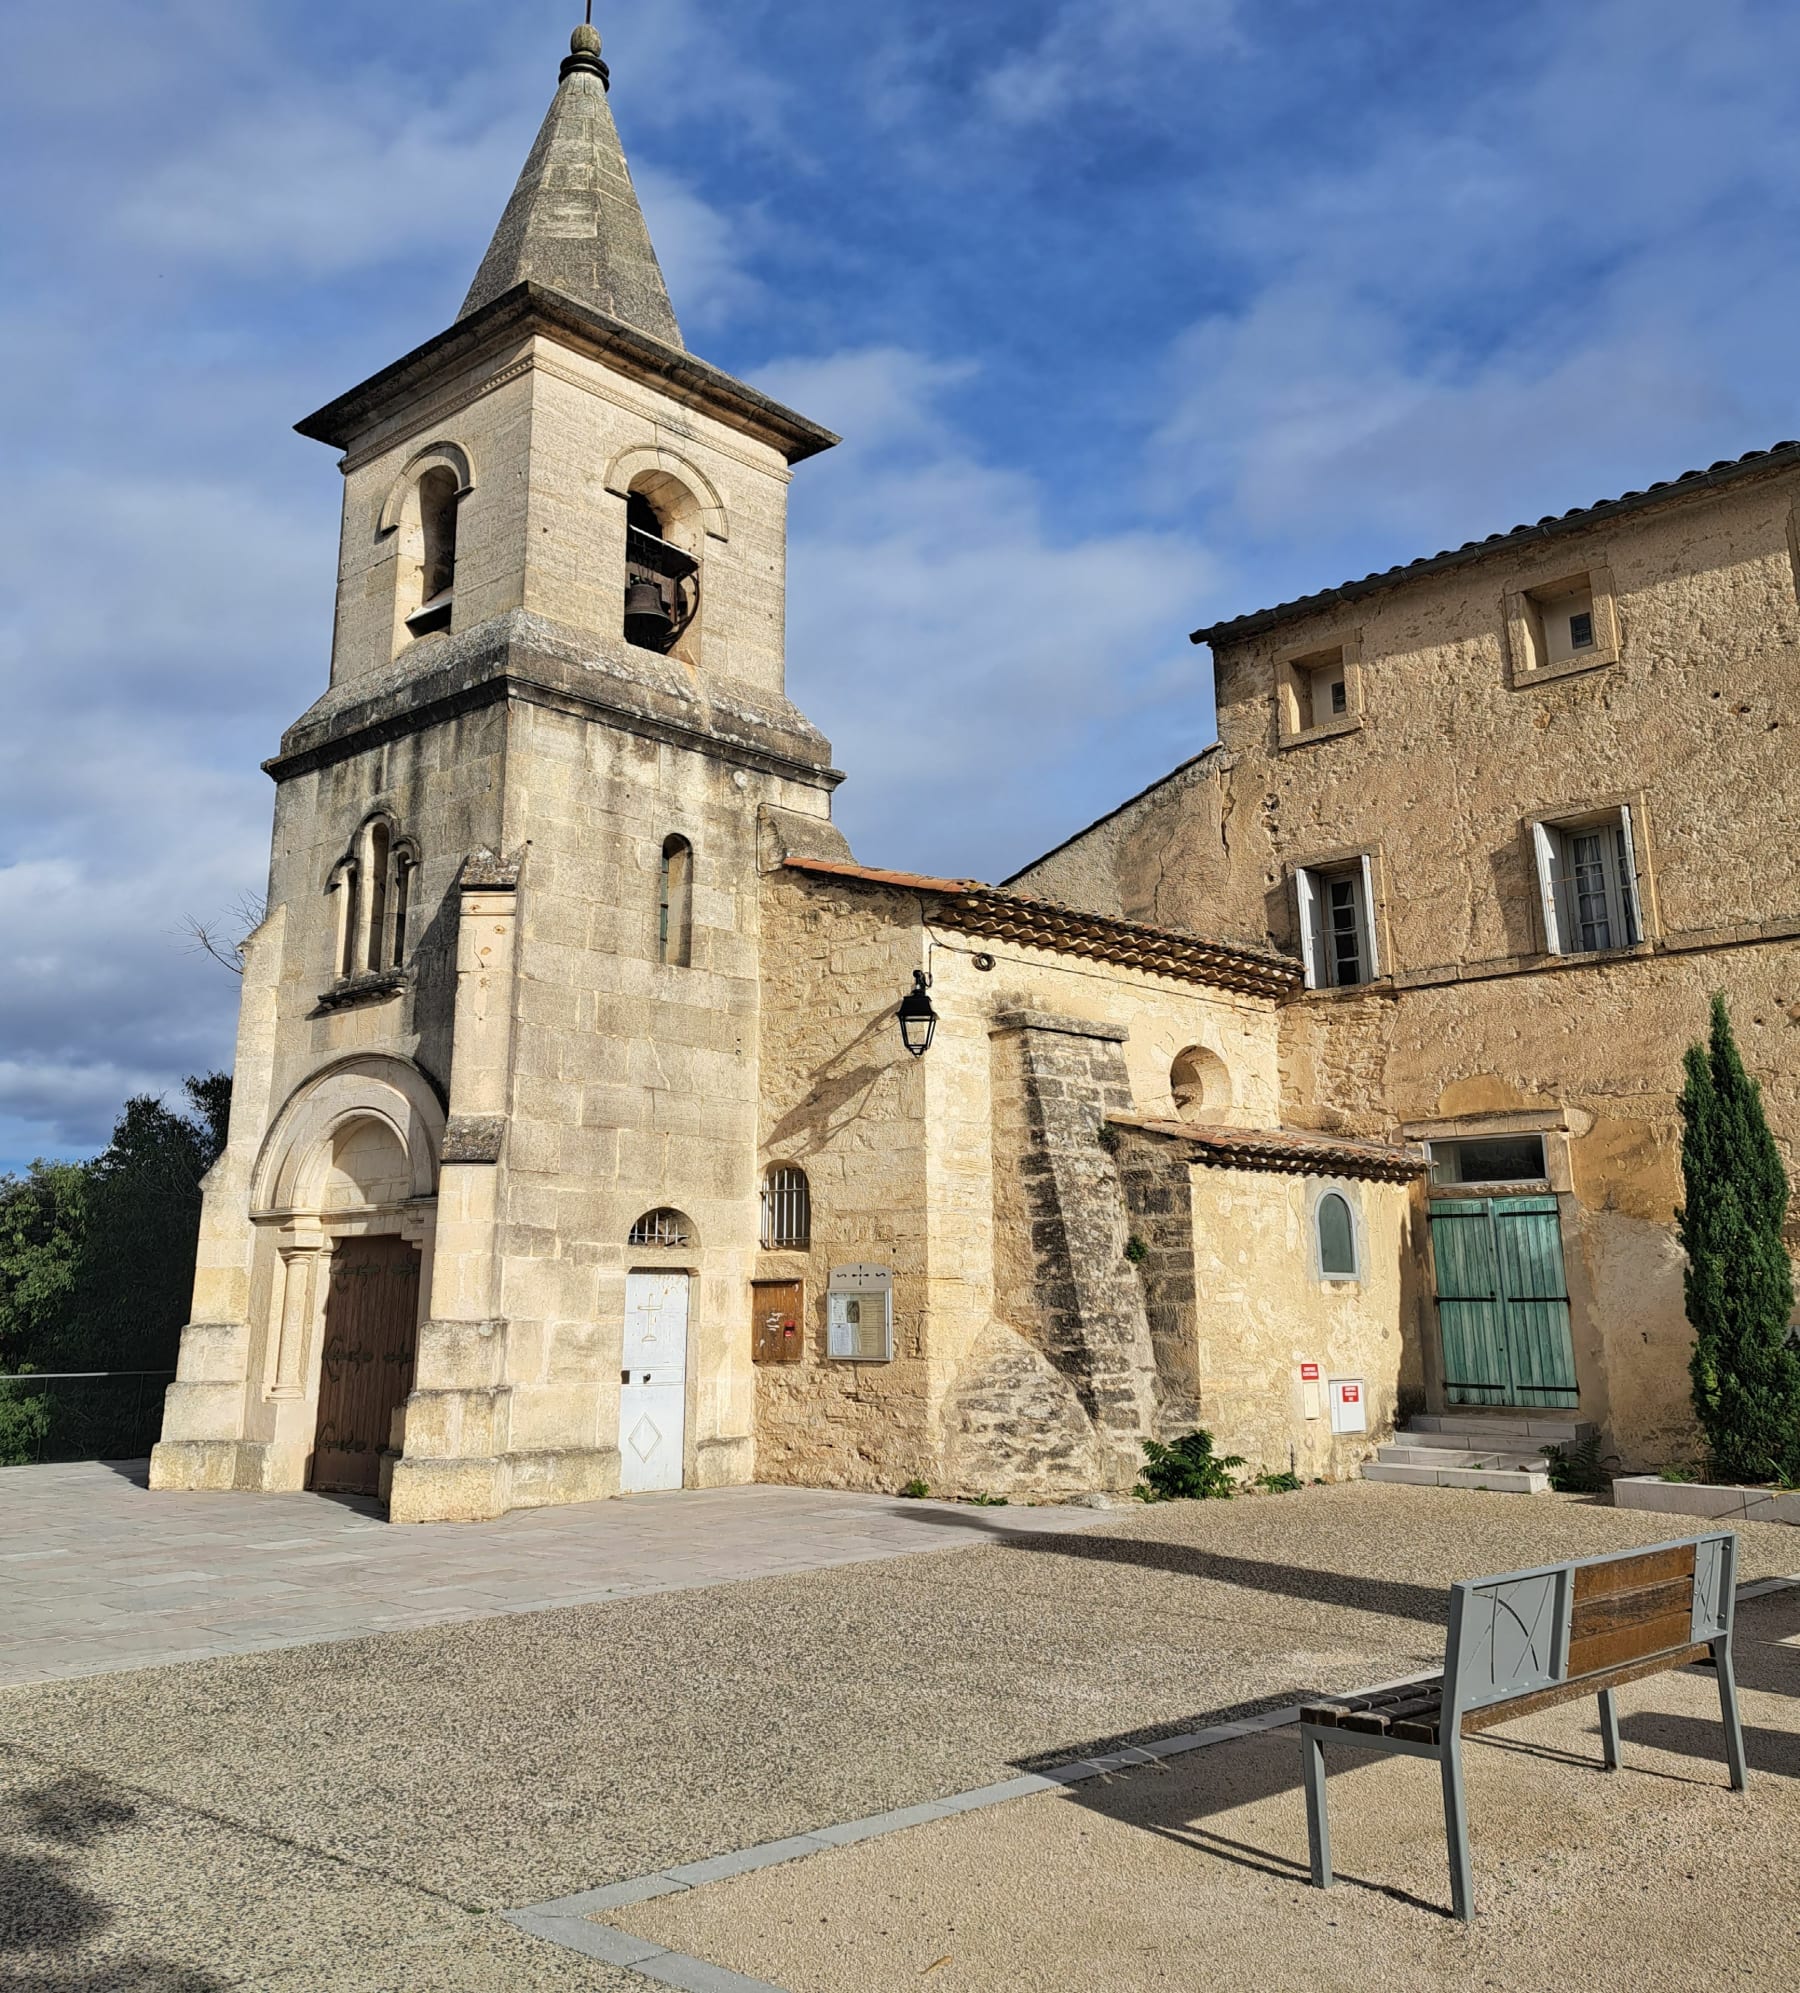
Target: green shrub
1287, 1482
916, 1490
1679, 1473
1136, 1251
1187, 1471
1579, 1468
1739, 1284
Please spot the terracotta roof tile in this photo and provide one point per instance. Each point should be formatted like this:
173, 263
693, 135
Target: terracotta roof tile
969, 907
1287, 1151
1728, 470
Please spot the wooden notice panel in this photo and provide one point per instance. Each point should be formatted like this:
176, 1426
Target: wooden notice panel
778, 1320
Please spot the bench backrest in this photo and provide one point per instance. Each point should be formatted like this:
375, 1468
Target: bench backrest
1532, 1630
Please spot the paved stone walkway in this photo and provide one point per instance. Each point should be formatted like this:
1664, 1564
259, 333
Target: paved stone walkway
97, 1574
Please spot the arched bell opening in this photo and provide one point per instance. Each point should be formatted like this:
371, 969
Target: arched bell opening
663, 537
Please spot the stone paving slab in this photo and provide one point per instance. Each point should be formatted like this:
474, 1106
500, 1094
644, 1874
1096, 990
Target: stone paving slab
97, 1574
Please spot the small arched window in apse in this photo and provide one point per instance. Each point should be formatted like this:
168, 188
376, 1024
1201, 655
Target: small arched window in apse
438, 494
662, 579
786, 1210
1200, 1083
675, 904
1337, 1237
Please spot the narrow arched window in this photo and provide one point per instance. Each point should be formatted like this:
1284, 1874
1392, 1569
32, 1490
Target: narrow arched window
662, 579
378, 843
1337, 1237
406, 863
675, 904
348, 887
437, 552
786, 1210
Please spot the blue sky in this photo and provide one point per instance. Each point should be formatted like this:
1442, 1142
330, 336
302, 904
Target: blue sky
1134, 314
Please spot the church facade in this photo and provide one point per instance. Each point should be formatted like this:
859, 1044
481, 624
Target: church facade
600, 1125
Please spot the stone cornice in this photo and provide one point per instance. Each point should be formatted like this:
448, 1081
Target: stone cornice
530, 660
529, 308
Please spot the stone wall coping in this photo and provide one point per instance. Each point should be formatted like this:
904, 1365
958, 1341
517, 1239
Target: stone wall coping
1070, 1027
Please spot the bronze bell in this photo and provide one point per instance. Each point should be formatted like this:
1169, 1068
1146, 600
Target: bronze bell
648, 623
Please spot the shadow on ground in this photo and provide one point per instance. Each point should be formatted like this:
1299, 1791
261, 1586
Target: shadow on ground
48, 1916
1392, 1600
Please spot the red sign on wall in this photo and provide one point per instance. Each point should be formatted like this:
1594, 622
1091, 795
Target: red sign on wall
1309, 1373
1352, 1394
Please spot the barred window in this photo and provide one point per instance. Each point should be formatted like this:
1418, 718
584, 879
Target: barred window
661, 1228
786, 1210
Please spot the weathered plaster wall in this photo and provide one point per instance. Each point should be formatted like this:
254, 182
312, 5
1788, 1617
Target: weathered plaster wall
1435, 774
917, 1165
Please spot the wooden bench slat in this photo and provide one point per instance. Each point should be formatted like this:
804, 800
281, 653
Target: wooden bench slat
1633, 1574
1421, 1729
1495, 1713
1630, 1643
1612, 1611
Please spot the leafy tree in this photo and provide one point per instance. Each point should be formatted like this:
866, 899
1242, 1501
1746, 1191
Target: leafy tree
1740, 1283
97, 1259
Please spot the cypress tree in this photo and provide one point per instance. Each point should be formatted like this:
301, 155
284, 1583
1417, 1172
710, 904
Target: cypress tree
1740, 1284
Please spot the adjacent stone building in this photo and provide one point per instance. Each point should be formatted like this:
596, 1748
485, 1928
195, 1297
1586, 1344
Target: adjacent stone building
1519, 809
601, 1125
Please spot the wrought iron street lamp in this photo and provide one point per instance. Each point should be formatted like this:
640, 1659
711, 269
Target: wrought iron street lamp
918, 1021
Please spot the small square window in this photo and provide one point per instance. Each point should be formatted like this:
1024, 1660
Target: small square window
1581, 630
1316, 691
1489, 1159
1565, 625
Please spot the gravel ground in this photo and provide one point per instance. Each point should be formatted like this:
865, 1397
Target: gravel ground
343, 1816
1658, 1880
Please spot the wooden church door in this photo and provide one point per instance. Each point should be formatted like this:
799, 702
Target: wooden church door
371, 1334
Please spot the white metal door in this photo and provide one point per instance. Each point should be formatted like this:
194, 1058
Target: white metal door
653, 1386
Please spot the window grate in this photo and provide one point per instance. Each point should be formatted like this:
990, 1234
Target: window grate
786, 1211
663, 1228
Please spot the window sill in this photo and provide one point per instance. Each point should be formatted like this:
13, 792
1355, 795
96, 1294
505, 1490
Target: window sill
1347, 992
1627, 954
354, 991
1571, 667
1346, 723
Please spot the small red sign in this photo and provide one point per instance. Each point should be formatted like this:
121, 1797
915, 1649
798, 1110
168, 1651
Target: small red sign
1352, 1394
1309, 1373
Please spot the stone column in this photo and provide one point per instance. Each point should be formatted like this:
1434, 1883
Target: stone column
294, 1312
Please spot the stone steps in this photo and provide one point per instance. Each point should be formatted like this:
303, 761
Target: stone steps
1496, 1481
1500, 1452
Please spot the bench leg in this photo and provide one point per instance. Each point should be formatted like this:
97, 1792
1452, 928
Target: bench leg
1318, 1826
1456, 1828
1609, 1729
1728, 1709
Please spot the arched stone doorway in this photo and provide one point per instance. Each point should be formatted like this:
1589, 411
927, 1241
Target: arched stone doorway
345, 1205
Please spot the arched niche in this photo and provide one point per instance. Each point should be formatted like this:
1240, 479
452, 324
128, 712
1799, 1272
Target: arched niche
351, 1109
1200, 1083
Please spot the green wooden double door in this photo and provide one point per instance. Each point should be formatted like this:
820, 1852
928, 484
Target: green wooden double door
1503, 1302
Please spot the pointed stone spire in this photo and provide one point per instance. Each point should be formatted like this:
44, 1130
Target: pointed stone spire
573, 224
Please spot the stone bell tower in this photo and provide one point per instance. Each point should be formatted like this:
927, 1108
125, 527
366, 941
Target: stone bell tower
484, 1229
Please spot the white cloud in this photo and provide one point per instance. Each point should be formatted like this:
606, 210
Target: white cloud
1110, 50
975, 668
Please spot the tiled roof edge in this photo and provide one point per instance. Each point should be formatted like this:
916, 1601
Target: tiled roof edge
1728, 470
972, 908
1282, 1151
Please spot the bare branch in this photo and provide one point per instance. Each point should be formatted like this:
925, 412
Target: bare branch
213, 937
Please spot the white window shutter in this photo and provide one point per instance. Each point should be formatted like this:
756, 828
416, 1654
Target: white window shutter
1371, 950
1628, 883
1544, 842
1307, 887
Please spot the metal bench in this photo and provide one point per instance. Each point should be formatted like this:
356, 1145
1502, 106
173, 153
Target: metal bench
1525, 1642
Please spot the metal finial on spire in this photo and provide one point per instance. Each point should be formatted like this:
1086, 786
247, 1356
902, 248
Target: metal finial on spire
584, 52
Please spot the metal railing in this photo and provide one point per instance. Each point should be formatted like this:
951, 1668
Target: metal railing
50, 1415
